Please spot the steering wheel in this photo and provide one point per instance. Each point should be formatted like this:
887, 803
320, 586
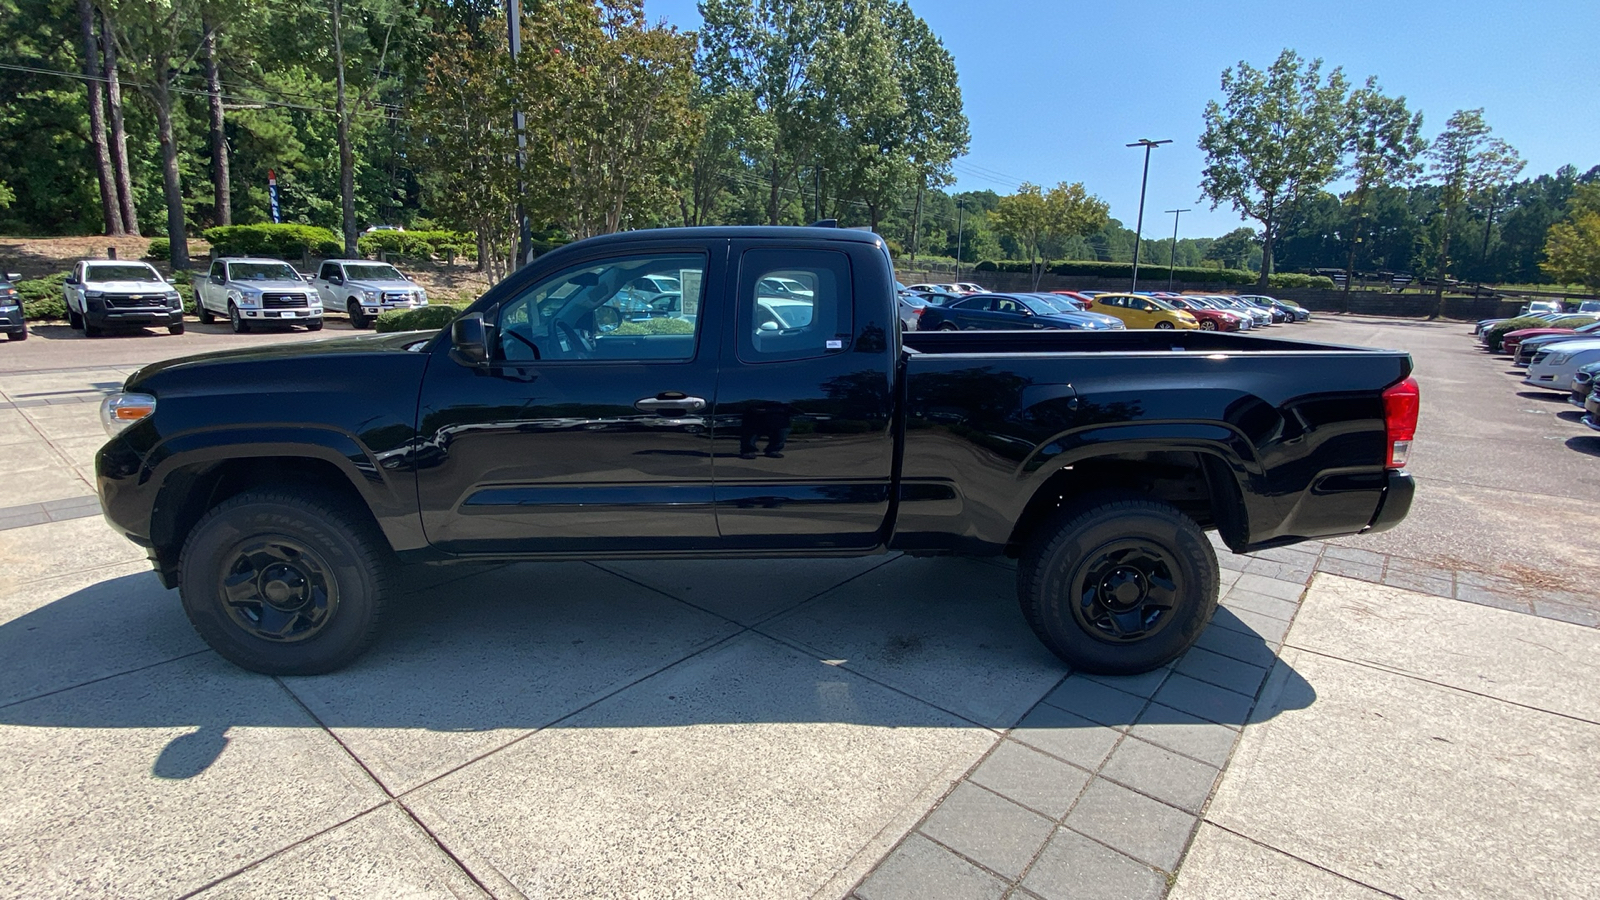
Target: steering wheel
569, 341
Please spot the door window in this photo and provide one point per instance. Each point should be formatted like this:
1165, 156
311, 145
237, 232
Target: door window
625, 308
794, 304
329, 270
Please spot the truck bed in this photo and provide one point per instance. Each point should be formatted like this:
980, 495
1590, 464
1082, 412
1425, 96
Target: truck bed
1291, 432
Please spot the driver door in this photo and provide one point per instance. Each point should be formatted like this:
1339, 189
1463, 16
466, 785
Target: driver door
588, 433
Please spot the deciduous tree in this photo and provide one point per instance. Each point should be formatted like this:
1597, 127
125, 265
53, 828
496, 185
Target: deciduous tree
1572, 248
1274, 138
1464, 161
1037, 220
1383, 140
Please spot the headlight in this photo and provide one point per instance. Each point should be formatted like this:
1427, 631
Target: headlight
370, 295
175, 300
95, 294
120, 410
1556, 359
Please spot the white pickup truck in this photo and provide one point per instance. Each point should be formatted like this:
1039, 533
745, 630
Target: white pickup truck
253, 292
365, 289
107, 293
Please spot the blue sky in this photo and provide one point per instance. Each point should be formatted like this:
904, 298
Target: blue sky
1055, 88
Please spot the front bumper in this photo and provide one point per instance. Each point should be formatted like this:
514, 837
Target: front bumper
1552, 381
299, 314
1395, 503
11, 320
100, 317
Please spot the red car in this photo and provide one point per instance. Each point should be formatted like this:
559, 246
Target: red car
1508, 344
1210, 319
1077, 298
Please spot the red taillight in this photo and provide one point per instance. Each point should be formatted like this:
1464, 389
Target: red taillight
919, 310
1402, 401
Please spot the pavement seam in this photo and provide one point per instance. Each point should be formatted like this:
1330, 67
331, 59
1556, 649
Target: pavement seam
378, 782
73, 687
1339, 875
282, 850
1458, 689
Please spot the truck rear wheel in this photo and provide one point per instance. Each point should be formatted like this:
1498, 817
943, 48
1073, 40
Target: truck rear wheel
1118, 587
284, 584
206, 315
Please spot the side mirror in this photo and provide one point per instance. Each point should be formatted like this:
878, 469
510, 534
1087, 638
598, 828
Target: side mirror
219, 279
13, 276
72, 279
606, 318
336, 279
469, 339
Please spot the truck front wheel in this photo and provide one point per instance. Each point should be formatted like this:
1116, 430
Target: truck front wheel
285, 584
1118, 587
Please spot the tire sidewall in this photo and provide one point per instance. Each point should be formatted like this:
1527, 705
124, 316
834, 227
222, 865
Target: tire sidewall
1047, 576
210, 547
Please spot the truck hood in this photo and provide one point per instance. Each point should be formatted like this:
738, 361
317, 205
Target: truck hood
130, 287
257, 287
384, 285
216, 364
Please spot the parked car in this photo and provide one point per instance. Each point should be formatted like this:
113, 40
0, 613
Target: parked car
1137, 311
1068, 306
1483, 336
1591, 406
1534, 307
110, 293
970, 288
1009, 312
1279, 316
1530, 346
910, 306
251, 292
1589, 306
1079, 301
364, 290
1209, 317
279, 487
1260, 318
1583, 384
12, 319
1511, 342
1296, 312
1553, 367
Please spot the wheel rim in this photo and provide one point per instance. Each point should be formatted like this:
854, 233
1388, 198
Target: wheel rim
1163, 325
1208, 325
233, 316
1126, 591
278, 589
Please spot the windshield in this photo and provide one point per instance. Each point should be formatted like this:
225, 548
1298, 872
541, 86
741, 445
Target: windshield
261, 272
1038, 307
1161, 304
368, 272
125, 272
1061, 303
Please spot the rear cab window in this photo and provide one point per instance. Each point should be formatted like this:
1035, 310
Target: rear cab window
794, 304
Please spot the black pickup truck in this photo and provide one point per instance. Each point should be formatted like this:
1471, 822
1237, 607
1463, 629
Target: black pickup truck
779, 411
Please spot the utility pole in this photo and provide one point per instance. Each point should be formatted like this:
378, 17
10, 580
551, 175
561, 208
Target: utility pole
961, 212
1138, 229
1172, 264
519, 121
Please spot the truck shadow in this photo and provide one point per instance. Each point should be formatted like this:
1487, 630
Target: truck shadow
887, 642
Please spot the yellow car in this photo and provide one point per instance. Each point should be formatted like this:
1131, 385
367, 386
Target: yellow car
1138, 311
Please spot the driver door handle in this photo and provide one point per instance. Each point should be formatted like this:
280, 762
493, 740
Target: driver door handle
670, 403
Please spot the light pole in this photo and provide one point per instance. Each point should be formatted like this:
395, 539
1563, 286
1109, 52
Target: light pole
524, 248
1172, 265
1138, 229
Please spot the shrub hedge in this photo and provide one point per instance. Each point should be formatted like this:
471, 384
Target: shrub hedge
1297, 280
1191, 274
160, 248
42, 298
1498, 332
418, 244
283, 241
423, 318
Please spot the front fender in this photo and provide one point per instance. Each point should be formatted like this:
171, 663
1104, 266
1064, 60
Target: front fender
389, 494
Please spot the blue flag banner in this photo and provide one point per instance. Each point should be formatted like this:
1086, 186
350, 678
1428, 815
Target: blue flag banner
272, 194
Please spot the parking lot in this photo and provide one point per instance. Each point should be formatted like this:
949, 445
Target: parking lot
887, 727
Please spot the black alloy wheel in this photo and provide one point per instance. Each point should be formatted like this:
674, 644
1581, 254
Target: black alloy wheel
286, 583
1118, 585
358, 320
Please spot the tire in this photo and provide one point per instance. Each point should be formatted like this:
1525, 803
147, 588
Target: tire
1164, 326
1128, 541
175, 329
948, 326
18, 335
91, 330
358, 321
315, 325
321, 573
1207, 325
240, 326
206, 315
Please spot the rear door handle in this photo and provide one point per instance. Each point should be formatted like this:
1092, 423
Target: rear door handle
670, 403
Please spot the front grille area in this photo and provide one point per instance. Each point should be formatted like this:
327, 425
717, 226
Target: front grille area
396, 296
284, 301
134, 301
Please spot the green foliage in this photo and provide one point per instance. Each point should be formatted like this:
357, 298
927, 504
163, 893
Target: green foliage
1274, 138
423, 318
1125, 270
1037, 220
1572, 248
160, 249
420, 245
1297, 280
42, 298
654, 326
285, 241
1497, 332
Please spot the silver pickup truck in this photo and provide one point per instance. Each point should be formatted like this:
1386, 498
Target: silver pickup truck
365, 289
251, 292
